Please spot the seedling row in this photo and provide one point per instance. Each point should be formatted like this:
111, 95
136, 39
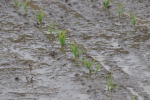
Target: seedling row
74, 48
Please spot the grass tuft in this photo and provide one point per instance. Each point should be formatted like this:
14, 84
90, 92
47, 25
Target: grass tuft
40, 15
133, 18
62, 37
76, 50
52, 28
134, 97
110, 83
88, 64
16, 3
25, 4
106, 3
98, 67
120, 7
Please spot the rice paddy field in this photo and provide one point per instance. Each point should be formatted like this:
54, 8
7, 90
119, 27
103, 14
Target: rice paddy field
74, 49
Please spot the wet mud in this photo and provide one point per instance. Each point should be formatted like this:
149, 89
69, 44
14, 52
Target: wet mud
33, 66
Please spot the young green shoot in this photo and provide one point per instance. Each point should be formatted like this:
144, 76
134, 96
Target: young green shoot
133, 19
76, 50
25, 6
40, 16
98, 67
120, 7
106, 3
62, 37
16, 3
92, 0
52, 28
110, 83
88, 64
134, 97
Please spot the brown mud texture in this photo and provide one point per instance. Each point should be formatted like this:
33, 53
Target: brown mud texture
33, 65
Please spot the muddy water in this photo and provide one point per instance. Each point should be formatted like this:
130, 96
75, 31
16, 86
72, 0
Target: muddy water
32, 66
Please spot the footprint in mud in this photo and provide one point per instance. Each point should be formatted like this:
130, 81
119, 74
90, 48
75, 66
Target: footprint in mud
17, 79
29, 80
53, 54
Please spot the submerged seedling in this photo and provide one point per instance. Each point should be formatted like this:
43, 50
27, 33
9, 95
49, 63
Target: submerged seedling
98, 67
106, 3
52, 28
62, 37
134, 97
16, 3
25, 4
110, 83
88, 64
120, 7
76, 50
133, 18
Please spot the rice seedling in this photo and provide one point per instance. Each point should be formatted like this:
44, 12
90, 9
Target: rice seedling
133, 18
62, 37
88, 64
92, 0
40, 15
106, 3
120, 7
134, 97
149, 28
16, 3
98, 67
110, 83
52, 28
76, 50
25, 6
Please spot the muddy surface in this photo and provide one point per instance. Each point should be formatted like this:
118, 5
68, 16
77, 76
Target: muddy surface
34, 67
